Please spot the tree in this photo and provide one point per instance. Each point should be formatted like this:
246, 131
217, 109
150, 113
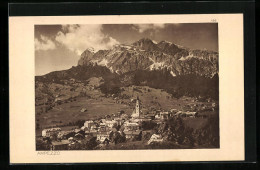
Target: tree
116, 137
42, 145
76, 146
91, 143
148, 125
37, 126
117, 127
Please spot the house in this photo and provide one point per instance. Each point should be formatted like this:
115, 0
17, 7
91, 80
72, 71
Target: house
191, 114
108, 117
72, 80
103, 120
111, 123
79, 136
174, 110
70, 139
93, 127
91, 133
213, 104
133, 100
50, 132
179, 113
60, 145
164, 115
102, 127
158, 121
120, 112
150, 116
77, 130
124, 116
83, 110
88, 124
131, 126
58, 100
139, 120
136, 120
65, 134
102, 136
84, 128
133, 134
155, 138
119, 121
157, 116
209, 100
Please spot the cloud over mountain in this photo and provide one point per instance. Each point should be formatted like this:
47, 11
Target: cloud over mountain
44, 43
79, 37
144, 27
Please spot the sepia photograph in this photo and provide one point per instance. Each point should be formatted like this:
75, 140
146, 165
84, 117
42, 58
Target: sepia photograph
126, 86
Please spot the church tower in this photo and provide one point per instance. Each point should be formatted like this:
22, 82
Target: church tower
137, 108
136, 112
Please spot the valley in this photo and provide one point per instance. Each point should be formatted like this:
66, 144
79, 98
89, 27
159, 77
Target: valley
173, 91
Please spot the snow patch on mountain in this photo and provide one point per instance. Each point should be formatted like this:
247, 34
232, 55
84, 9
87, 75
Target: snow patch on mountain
173, 74
91, 49
179, 46
187, 57
154, 42
103, 62
111, 69
167, 42
127, 46
152, 56
156, 65
94, 61
118, 72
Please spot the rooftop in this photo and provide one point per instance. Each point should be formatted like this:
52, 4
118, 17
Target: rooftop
62, 142
52, 129
132, 132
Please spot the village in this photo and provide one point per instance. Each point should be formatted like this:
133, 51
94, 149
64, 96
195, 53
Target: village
118, 128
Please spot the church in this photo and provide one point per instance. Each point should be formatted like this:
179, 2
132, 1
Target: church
136, 112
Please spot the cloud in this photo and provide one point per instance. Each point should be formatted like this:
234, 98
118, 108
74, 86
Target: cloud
44, 43
144, 27
78, 38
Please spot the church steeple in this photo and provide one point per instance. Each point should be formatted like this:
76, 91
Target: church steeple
136, 112
137, 107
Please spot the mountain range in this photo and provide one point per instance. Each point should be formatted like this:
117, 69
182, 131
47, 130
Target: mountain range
146, 54
165, 65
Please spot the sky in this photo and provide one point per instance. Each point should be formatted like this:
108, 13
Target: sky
58, 47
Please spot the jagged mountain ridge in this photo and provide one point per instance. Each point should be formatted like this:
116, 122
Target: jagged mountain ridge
147, 55
164, 65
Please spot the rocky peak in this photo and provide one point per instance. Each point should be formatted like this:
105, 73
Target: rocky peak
86, 56
168, 47
146, 44
144, 54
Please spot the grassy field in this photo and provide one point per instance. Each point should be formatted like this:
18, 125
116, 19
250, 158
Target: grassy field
150, 97
99, 105
70, 112
195, 123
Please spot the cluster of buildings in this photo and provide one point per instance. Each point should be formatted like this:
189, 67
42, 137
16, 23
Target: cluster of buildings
128, 126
